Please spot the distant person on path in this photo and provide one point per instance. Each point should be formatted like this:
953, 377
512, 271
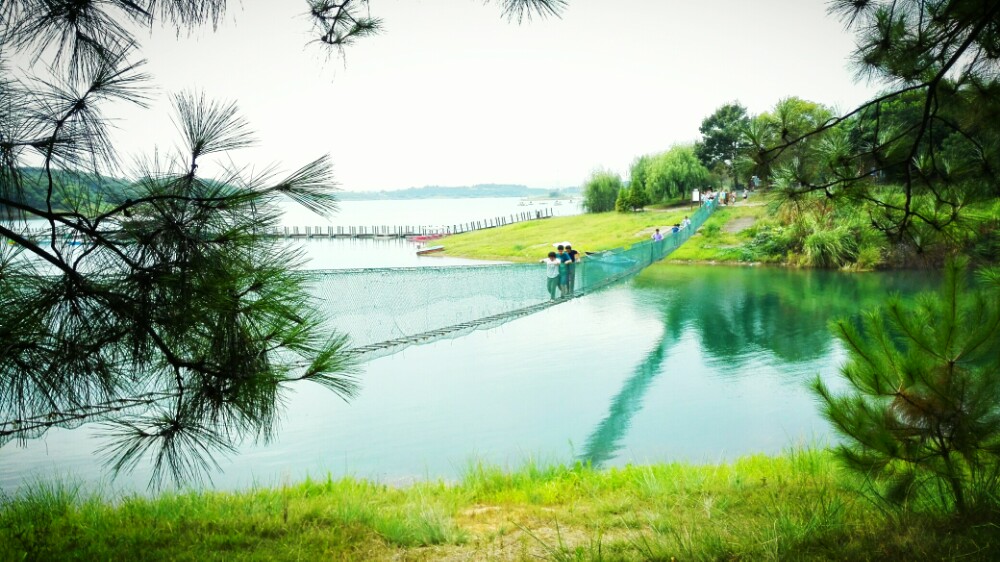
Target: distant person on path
657, 237
686, 222
552, 273
571, 267
675, 229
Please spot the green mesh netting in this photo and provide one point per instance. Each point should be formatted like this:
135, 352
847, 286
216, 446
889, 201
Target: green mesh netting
383, 310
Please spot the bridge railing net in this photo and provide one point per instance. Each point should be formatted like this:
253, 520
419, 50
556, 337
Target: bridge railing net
375, 306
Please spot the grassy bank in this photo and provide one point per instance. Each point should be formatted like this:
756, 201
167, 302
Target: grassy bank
532, 240
794, 507
758, 231
723, 237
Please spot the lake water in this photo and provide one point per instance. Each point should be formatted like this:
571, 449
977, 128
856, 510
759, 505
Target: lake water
685, 363
368, 252
344, 253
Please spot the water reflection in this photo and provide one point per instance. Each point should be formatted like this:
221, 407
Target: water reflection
605, 442
738, 314
699, 364
779, 311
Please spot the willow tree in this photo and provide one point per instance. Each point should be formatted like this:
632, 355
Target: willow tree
601, 191
154, 302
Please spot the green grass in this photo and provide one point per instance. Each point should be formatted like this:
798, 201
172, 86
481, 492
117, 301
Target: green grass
532, 240
798, 506
713, 244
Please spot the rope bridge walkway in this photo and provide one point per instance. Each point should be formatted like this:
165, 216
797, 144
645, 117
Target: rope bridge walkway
405, 306
385, 310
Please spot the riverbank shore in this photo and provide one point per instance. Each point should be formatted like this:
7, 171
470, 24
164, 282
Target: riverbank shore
749, 232
718, 240
798, 506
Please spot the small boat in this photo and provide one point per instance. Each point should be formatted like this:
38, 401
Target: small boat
424, 237
429, 250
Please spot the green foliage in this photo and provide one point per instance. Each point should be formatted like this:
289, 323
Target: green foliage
711, 231
829, 248
933, 138
810, 230
623, 201
70, 190
723, 138
632, 198
770, 241
601, 191
670, 175
782, 142
922, 416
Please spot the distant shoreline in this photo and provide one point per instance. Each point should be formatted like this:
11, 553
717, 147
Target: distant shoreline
467, 192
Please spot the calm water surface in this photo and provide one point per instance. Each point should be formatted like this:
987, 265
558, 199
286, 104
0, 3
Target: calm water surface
683, 363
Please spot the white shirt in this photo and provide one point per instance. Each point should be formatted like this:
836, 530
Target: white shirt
551, 267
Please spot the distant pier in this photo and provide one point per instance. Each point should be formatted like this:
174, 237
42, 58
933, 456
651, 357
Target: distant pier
406, 231
366, 231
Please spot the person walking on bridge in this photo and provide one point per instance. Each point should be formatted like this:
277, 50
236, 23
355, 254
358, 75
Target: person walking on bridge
563, 269
552, 273
574, 257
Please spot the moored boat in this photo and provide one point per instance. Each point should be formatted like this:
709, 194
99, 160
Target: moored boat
429, 250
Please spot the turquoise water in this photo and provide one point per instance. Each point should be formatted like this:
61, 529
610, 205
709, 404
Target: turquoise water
694, 363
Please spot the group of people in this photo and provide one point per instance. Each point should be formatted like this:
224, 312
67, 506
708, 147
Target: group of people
658, 236
722, 197
560, 270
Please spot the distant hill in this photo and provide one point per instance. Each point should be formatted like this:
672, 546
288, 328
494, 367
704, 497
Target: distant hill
441, 192
69, 186
36, 185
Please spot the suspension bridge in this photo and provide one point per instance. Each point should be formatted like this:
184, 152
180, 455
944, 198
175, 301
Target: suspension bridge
384, 310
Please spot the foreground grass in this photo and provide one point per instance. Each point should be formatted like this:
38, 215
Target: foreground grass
795, 507
532, 240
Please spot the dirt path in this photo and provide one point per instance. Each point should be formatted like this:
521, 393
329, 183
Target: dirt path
738, 224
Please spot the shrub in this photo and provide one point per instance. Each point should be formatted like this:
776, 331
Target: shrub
830, 248
922, 416
770, 242
711, 230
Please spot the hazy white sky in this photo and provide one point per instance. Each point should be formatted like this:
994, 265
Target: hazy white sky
452, 94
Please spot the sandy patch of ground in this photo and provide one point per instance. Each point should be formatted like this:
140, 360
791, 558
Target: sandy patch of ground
738, 224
